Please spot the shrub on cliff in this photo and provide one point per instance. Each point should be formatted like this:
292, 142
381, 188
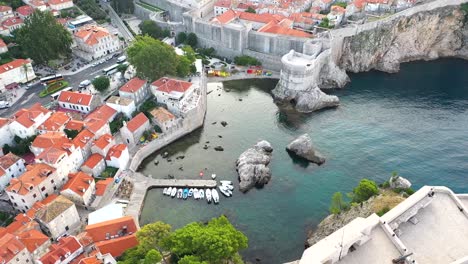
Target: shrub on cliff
337, 203
365, 190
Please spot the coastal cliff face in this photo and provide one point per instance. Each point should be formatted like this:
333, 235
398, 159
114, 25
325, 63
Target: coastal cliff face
425, 35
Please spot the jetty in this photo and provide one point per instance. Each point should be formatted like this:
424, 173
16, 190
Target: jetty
142, 183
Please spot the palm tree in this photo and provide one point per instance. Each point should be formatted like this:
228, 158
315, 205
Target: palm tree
26, 68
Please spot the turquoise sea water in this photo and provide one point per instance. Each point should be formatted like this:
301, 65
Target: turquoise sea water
414, 122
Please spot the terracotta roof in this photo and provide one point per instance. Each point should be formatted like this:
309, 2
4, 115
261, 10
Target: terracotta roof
338, 9
223, 3
136, 122
25, 10
226, 17
119, 100
26, 117
91, 35
75, 98
4, 121
10, 246
37, 3
55, 121
117, 246
246, 6
12, 21
94, 125
275, 28
75, 125
83, 138
171, 85
50, 139
103, 112
34, 175
53, 209
162, 115
104, 141
58, 2
116, 151
90, 260
2, 43
5, 8
57, 252
12, 65
260, 18
33, 239
101, 186
359, 3
114, 236
51, 155
93, 160
133, 85
78, 182
8, 160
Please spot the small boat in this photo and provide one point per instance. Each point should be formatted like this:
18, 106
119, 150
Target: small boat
173, 192
165, 191
213, 176
179, 193
190, 192
201, 194
169, 191
185, 194
225, 191
215, 195
226, 182
208, 195
195, 194
229, 187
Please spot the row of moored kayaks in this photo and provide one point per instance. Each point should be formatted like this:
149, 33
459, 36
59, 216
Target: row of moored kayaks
225, 188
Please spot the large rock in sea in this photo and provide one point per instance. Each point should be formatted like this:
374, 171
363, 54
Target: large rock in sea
302, 147
252, 166
307, 101
398, 182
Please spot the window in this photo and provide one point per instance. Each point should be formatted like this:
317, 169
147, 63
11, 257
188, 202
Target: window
27, 261
55, 188
12, 197
15, 204
46, 195
34, 195
27, 207
23, 200
67, 228
52, 181
43, 188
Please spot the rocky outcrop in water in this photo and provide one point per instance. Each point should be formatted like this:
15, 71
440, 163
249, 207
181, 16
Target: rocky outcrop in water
398, 182
252, 166
302, 147
309, 100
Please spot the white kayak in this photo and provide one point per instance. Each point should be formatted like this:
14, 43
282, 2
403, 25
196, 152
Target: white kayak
190, 192
208, 195
169, 191
226, 182
179, 193
215, 195
173, 192
195, 194
165, 191
201, 194
228, 187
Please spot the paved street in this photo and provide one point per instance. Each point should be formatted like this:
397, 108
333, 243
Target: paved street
118, 22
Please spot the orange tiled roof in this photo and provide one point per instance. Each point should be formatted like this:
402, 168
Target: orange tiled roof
32, 239
91, 35
55, 121
104, 141
171, 85
78, 182
25, 10
12, 21
34, 175
75, 98
5, 8
226, 17
10, 246
117, 246
50, 139
58, 251
58, 2
136, 122
3, 121
93, 160
90, 260
26, 116
103, 112
133, 85
116, 151
8, 160
162, 115
83, 138
101, 186
275, 28
94, 125
51, 155
223, 3
260, 18
338, 9
75, 125
37, 3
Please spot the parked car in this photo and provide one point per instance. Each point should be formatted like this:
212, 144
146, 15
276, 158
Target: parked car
84, 83
4, 104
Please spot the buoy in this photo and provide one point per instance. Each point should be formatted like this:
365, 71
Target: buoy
201, 173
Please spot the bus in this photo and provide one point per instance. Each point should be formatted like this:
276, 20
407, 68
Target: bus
54, 96
51, 78
110, 68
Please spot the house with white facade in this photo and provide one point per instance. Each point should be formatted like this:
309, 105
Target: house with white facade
173, 93
67, 249
48, 140
3, 47
103, 144
24, 11
17, 71
118, 156
6, 137
25, 122
132, 130
80, 188
60, 4
35, 241
81, 102
336, 15
38, 182
163, 118
377, 5
6, 12
221, 6
58, 217
94, 42
13, 251
66, 158
94, 165
135, 89
13, 23
98, 121
55, 123
122, 105
84, 140
11, 166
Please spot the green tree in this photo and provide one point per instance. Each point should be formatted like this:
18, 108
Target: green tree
250, 10
215, 242
246, 60
101, 83
92, 9
192, 40
132, 256
183, 66
123, 6
71, 133
365, 190
15, 3
122, 68
150, 236
6, 149
189, 53
342, 4
181, 38
152, 58
43, 39
189, 259
150, 28
152, 257
337, 203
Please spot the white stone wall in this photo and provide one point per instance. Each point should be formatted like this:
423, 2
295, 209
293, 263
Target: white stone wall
120, 162
18, 75
69, 219
14, 171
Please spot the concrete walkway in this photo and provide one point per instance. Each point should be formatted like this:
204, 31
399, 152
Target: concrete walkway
243, 76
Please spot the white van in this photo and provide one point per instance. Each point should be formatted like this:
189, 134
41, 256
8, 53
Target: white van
4, 104
121, 59
84, 83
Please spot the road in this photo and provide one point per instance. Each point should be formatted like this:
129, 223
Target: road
119, 23
31, 97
